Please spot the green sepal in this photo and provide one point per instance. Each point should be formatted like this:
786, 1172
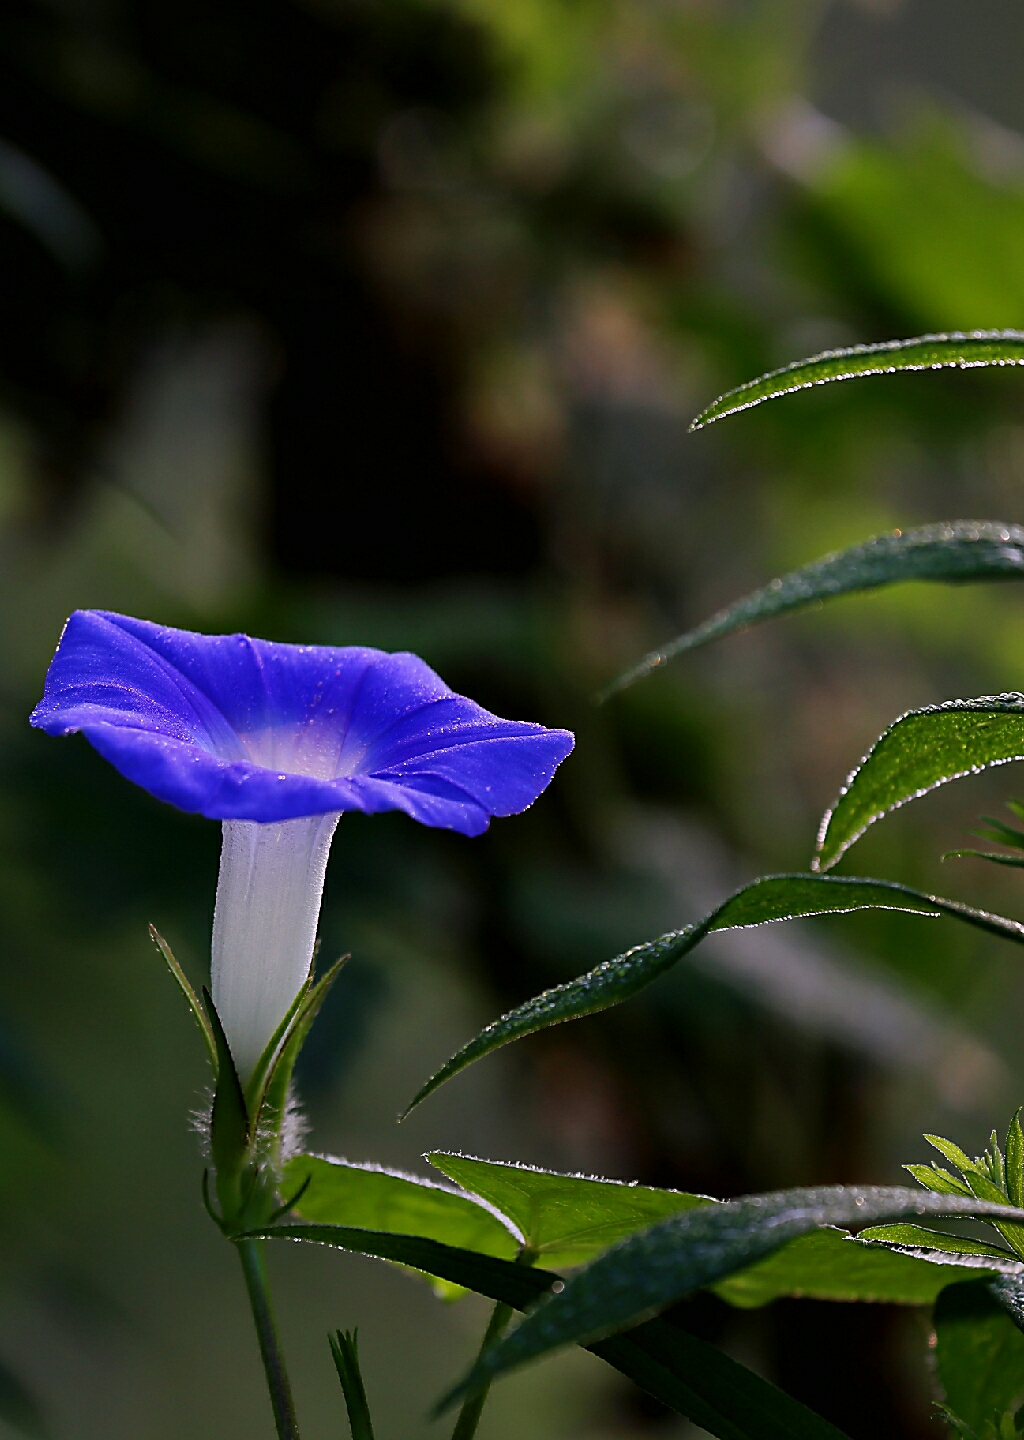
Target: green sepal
345, 1350
273, 1100
229, 1125
198, 1013
953, 551
257, 1080
967, 350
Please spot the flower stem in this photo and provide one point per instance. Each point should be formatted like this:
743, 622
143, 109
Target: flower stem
472, 1406
250, 1253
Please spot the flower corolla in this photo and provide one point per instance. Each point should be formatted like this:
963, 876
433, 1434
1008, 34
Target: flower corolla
277, 741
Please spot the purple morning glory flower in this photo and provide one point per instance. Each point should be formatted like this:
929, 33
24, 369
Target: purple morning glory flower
277, 741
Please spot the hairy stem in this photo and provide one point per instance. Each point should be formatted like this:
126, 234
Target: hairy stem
472, 1406
251, 1255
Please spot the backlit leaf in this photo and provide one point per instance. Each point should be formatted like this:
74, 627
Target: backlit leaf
957, 550
367, 1197
920, 751
564, 1219
961, 350
772, 898
688, 1252
828, 1265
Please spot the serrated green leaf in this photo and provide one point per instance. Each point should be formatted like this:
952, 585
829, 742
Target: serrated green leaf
697, 1249
961, 350
564, 1219
953, 551
772, 898
918, 752
933, 1177
685, 1373
952, 1152
920, 1238
980, 1354
829, 1265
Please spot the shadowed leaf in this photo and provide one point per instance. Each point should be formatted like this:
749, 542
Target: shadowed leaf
955, 551
685, 1373
772, 898
673, 1259
980, 1354
960, 350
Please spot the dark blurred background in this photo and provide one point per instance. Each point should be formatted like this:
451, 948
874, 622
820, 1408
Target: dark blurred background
382, 322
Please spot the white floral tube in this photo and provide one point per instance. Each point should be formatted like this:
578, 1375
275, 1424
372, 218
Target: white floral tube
264, 925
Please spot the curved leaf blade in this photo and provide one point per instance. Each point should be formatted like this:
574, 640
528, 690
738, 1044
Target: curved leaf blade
953, 552
829, 1264
370, 1197
962, 350
683, 1372
920, 751
772, 898
564, 1219
699, 1248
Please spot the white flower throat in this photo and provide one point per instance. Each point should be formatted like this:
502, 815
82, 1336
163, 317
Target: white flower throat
269, 891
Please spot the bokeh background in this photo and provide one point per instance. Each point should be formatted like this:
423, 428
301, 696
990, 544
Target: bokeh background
382, 322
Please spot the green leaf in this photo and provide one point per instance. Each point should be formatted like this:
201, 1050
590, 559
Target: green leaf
1005, 834
937, 1246
368, 1197
697, 1249
198, 1013
964, 351
1016, 861
829, 1265
683, 1372
564, 1219
920, 751
954, 551
772, 898
933, 1177
345, 1351
952, 1152
980, 1354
